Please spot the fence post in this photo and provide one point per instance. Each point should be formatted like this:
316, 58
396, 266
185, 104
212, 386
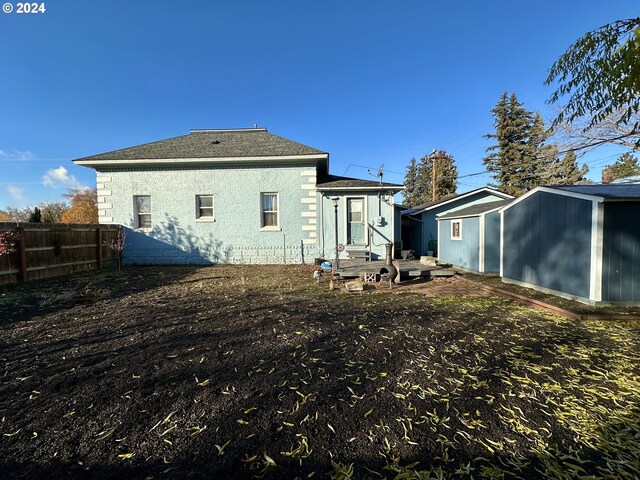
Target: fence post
22, 254
99, 242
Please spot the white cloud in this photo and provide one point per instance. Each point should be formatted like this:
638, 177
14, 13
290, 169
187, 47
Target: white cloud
60, 178
16, 193
17, 154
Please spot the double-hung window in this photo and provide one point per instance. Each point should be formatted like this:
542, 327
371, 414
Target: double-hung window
142, 209
204, 207
269, 211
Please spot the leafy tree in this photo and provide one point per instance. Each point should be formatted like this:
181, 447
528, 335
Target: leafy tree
419, 181
566, 171
626, 166
84, 206
600, 75
4, 216
520, 157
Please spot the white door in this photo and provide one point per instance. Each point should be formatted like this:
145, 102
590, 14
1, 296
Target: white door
355, 221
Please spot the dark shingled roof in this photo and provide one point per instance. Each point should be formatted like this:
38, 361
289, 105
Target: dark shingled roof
250, 142
474, 210
617, 191
336, 182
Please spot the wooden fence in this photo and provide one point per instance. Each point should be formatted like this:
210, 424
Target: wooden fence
51, 249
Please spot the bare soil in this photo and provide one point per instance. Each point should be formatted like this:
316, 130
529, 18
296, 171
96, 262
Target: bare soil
257, 372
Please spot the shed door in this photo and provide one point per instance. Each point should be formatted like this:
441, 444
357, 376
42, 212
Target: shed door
355, 221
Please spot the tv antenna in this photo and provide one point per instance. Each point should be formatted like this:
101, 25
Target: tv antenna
378, 174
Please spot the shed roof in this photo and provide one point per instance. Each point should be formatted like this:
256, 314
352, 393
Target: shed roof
215, 144
335, 182
631, 179
474, 210
431, 205
607, 191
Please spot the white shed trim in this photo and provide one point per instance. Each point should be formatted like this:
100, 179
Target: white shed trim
502, 244
481, 227
497, 193
597, 244
554, 191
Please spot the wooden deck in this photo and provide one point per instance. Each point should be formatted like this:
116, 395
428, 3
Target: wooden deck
408, 268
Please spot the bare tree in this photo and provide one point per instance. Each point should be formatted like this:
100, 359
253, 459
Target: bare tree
581, 136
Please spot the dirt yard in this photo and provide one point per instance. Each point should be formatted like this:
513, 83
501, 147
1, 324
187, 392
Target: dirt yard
256, 372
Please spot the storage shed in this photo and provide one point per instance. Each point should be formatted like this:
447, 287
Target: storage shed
577, 241
419, 224
470, 238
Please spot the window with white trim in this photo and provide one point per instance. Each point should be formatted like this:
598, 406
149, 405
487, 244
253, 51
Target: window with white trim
204, 207
142, 209
456, 230
269, 210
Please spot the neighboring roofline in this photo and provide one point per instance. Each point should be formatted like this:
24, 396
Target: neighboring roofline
210, 130
555, 191
199, 161
450, 215
505, 196
397, 188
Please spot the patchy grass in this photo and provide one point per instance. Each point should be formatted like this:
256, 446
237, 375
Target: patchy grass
257, 372
571, 305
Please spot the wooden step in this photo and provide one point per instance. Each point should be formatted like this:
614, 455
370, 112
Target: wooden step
358, 254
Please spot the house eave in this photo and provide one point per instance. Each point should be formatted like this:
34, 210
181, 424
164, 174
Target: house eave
154, 162
384, 188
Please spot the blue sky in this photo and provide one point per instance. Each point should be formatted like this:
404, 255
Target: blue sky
374, 82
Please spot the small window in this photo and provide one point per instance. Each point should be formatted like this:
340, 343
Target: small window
456, 230
204, 207
355, 210
142, 208
270, 210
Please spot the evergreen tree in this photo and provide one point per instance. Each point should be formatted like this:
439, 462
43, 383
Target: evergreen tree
626, 166
566, 171
36, 216
446, 178
419, 178
410, 181
520, 159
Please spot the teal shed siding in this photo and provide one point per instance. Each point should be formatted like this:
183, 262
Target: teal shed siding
429, 230
464, 253
492, 242
621, 252
547, 243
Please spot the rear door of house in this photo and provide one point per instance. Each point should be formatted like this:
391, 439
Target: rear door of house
355, 221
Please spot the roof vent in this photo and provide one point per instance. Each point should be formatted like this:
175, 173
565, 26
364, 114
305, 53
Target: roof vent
215, 142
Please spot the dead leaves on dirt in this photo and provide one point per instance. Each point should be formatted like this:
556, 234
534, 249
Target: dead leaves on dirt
297, 381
